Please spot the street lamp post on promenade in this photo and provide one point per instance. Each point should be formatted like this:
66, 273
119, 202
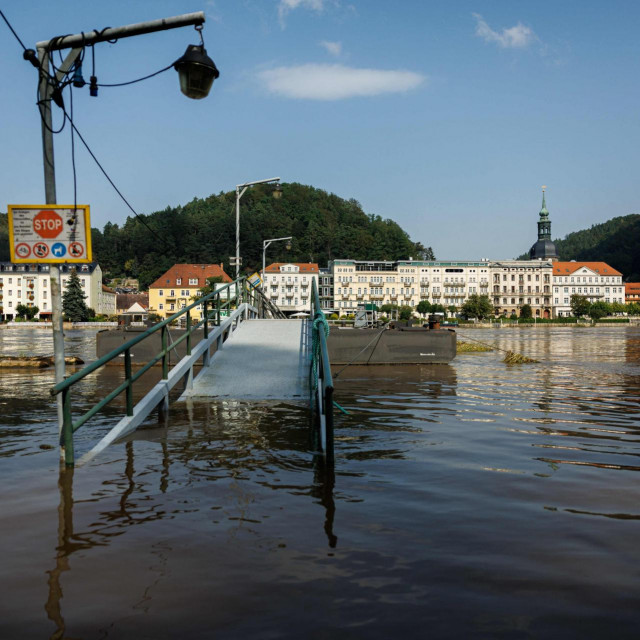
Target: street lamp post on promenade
244, 186
265, 244
196, 73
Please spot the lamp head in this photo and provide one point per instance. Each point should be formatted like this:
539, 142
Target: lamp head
277, 192
196, 71
288, 245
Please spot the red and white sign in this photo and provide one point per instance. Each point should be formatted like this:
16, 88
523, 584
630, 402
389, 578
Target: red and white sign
48, 224
49, 233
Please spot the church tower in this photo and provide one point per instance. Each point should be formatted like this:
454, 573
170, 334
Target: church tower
544, 247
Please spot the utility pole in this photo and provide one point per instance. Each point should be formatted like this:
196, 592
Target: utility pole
45, 92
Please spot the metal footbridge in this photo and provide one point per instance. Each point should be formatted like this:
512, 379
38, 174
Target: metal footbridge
248, 351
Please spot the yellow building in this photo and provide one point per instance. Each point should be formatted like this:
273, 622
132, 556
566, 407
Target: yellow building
175, 289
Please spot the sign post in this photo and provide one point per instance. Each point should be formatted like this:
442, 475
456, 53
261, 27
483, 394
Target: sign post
51, 234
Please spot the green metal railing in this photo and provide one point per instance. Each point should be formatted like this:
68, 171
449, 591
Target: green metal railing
321, 382
213, 306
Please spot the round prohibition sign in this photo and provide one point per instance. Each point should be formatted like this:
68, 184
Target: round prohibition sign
23, 250
76, 249
40, 250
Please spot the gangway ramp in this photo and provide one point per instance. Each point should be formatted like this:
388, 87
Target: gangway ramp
264, 359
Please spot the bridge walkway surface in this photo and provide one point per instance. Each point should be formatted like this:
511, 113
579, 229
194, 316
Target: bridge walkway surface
263, 359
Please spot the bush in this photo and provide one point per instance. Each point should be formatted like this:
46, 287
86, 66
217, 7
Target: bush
333, 316
613, 321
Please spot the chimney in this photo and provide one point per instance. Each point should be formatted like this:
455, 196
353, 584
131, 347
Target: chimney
221, 266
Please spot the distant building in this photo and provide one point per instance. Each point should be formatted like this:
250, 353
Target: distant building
519, 282
124, 301
288, 284
593, 280
406, 282
543, 249
175, 289
632, 292
30, 284
107, 304
325, 290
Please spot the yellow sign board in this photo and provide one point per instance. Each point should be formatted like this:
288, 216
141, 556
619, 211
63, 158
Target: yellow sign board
49, 233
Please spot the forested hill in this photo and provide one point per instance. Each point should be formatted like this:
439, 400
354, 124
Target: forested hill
323, 227
616, 242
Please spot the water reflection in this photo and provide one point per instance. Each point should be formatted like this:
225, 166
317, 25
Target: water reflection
479, 499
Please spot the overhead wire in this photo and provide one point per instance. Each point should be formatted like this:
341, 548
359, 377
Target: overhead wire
44, 74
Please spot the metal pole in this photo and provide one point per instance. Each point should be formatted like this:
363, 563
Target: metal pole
94, 36
44, 93
238, 195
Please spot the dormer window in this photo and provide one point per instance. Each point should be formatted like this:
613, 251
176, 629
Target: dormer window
178, 281
193, 281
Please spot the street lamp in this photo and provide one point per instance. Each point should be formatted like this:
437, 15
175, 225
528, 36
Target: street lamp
265, 244
244, 186
196, 72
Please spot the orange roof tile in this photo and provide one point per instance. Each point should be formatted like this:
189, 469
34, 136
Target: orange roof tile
567, 268
632, 288
186, 272
305, 267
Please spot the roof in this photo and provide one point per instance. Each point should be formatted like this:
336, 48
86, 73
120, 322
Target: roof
632, 288
186, 272
127, 300
106, 289
304, 267
567, 268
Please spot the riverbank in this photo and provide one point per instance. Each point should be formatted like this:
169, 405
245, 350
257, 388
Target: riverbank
65, 325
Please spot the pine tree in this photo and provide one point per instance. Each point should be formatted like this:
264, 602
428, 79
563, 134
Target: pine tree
74, 307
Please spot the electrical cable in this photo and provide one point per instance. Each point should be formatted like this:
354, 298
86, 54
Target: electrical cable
12, 30
112, 183
122, 84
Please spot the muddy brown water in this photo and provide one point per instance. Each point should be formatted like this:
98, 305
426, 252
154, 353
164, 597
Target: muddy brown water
470, 500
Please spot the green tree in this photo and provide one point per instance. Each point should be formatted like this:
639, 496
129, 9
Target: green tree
405, 312
438, 308
579, 305
526, 311
424, 307
25, 312
477, 306
452, 309
74, 306
209, 287
598, 310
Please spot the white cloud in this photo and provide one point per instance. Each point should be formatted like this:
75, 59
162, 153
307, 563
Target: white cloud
336, 81
517, 37
334, 48
285, 6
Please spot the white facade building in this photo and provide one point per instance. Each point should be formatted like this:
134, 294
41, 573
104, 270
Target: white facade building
407, 282
288, 285
515, 283
30, 284
593, 280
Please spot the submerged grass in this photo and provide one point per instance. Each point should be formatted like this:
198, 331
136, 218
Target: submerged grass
468, 347
517, 358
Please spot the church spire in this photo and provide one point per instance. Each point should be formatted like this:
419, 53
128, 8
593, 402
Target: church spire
544, 247
544, 213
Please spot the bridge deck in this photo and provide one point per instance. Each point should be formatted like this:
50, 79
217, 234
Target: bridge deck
262, 359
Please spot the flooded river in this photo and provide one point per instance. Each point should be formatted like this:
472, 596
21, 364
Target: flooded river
470, 500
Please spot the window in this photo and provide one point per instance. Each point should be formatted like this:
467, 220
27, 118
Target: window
161, 306
161, 292
193, 280
172, 293
178, 281
172, 307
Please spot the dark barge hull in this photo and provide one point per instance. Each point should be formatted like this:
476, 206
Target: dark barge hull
391, 346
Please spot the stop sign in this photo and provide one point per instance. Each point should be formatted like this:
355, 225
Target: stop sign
47, 224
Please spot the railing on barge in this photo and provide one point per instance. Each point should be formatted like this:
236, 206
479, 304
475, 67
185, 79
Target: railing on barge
237, 299
320, 379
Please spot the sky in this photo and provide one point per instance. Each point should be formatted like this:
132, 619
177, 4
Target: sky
446, 117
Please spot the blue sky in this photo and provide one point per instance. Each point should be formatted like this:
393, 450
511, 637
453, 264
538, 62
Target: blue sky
445, 116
